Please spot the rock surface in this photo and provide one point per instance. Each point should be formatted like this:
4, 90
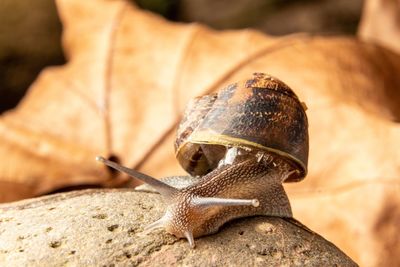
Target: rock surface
103, 228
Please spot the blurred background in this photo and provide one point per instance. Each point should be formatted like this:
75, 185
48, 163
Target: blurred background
353, 81
30, 31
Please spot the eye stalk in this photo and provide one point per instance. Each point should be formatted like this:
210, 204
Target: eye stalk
164, 189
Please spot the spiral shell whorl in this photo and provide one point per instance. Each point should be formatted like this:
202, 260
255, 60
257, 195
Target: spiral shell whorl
259, 113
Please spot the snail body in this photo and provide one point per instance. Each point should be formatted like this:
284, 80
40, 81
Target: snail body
239, 146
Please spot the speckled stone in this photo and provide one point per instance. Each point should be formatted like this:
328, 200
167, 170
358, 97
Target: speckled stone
104, 228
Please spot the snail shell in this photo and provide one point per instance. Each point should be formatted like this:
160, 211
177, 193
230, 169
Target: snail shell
260, 113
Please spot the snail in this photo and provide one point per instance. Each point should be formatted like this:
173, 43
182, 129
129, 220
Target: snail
238, 145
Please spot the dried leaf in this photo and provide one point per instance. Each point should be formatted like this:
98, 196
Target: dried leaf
380, 23
130, 73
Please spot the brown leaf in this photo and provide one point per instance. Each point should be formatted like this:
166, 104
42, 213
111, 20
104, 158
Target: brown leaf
380, 23
130, 74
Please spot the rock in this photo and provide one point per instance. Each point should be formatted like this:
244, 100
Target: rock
104, 228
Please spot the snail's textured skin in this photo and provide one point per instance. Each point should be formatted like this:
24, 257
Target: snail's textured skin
247, 178
260, 113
